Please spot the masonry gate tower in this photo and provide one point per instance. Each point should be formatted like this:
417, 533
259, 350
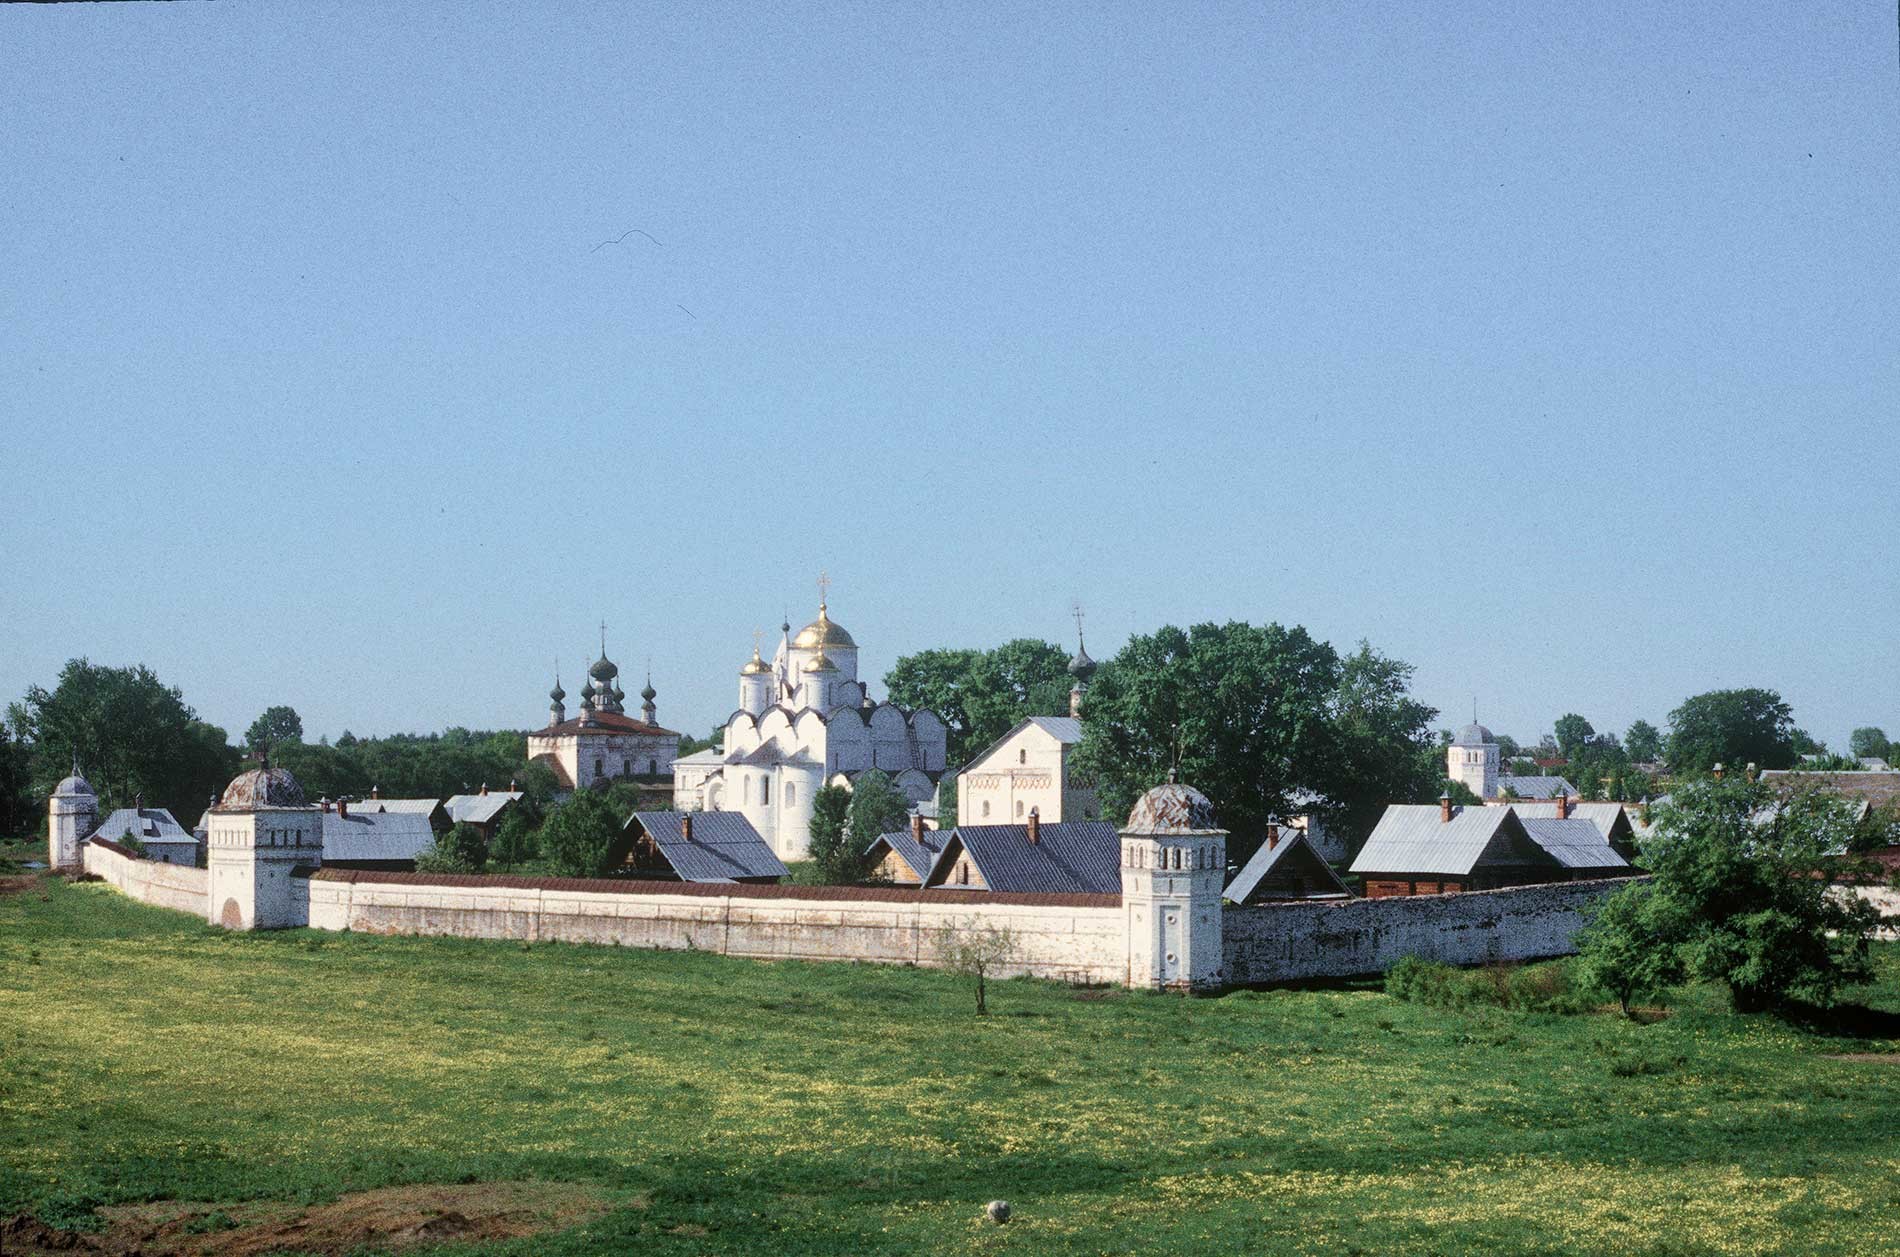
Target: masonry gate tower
1174, 862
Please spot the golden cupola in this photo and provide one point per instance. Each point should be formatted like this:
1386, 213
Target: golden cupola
822, 633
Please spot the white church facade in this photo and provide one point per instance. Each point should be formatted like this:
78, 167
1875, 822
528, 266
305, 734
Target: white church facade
804, 721
603, 743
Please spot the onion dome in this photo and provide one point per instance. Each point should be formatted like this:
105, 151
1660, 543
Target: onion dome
1473, 734
755, 666
620, 695
261, 788
1172, 809
821, 633
820, 662
603, 671
1081, 667
557, 693
647, 691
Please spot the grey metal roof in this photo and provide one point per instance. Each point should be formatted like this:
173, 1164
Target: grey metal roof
711, 755
424, 807
1473, 734
376, 835
149, 825
724, 846
478, 809
920, 856
1064, 729
1575, 843
1410, 838
1268, 858
1067, 858
1536, 787
1602, 815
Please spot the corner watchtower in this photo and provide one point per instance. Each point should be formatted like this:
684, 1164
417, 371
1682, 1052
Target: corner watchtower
72, 813
258, 835
1174, 865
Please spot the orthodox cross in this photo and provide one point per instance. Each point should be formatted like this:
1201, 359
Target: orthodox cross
603, 639
824, 586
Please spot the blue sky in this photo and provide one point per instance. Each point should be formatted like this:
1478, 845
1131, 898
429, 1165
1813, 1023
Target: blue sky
1553, 349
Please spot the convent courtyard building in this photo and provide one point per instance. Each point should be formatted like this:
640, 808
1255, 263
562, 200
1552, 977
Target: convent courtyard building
603, 743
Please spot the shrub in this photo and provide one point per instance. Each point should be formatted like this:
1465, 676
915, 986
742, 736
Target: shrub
1547, 988
462, 850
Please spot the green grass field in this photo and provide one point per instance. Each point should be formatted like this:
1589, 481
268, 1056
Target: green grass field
723, 1105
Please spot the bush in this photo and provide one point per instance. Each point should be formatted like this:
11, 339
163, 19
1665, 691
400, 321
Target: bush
462, 850
1543, 988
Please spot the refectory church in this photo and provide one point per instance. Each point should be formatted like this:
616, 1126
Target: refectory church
603, 743
805, 720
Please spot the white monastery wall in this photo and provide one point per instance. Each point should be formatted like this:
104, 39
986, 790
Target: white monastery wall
1886, 900
1286, 942
151, 881
1055, 940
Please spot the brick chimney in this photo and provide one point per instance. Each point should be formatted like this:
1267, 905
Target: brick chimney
1035, 826
917, 828
324, 803
342, 807
686, 826
484, 787
1563, 806
1444, 808
375, 792
1273, 836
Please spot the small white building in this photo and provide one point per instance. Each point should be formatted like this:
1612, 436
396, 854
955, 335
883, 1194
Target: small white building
1472, 761
1027, 770
156, 831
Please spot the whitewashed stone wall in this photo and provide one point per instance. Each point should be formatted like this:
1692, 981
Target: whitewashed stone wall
1062, 941
151, 881
1886, 900
1286, 942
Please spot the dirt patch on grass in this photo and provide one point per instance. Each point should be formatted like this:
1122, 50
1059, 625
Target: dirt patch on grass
16, 885
1866, 1058
391, 1217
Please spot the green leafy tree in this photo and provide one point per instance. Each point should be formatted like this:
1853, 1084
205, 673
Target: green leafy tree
1741, 879
19, 812
1643, 741
977, 949
877, 807
583, 835
947, 802
1573, 733
517, 838
131, 733
1731, 727
1463, 795
1260, 719
462, 849
1507, 747
1628, 950
1804, 744
982, 694
829, 845
1869, 742
275, 727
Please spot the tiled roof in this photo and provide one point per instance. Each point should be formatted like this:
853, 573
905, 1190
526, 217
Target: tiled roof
1268, 858
478, 809
1072, 857
724, 846
1411, 838
149, 825
604, 722
376, 835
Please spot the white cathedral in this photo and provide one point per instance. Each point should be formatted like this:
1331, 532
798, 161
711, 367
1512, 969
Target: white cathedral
805, 720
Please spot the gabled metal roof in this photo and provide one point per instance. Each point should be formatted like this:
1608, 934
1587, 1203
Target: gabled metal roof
149, 825
1064, 729
1270, 856
724, 846
920, 856
1536, 787
1411, 838
1575, 843
425, 807
478, 809
376, 835
1603, 815
1073, 857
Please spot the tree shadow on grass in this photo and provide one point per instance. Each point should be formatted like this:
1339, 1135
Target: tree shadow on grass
1842, 1021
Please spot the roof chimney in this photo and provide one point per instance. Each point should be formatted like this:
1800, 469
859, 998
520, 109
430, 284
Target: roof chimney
1035, 826
1752, 770
1273, 836
1444, 808
686, 826
917, 828
1563, 806
342, 807
484, 787
375, 792
324, 803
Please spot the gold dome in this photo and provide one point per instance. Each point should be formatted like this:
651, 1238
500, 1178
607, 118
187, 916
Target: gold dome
820, 662
755, 665
821, 633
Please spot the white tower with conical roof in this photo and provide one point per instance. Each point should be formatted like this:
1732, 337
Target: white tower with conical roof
72, 813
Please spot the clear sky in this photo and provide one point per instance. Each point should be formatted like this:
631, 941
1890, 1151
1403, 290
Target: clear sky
1554, 349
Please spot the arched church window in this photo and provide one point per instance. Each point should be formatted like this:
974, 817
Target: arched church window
765, 791
791, 794
599, 768
626, 768
1019, 807
1022, 756
748, 788
986, 807
653, 767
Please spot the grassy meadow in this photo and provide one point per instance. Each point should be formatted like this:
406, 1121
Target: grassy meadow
722, 1105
